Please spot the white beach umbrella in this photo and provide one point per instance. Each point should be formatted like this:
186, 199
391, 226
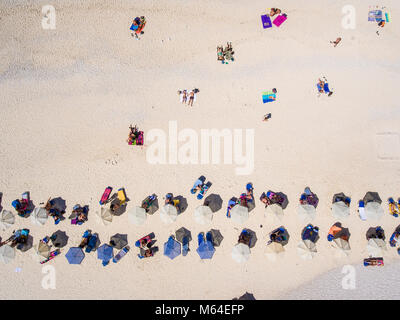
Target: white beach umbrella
105, 215
168, 213
203, 214
342, 246
340, 210
43, 249
375, 247
306, 212
7, 219
274, 250
373, 211
241, 252
39, 216
306, 249
274, 210
137, 215
239, 213
7, 253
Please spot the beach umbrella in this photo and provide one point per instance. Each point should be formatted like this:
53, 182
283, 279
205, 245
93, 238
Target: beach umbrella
214, 201
239, 213
137, 215
206, 250
274, 210
375, 247
306, 249
247, 296
306, 212
7, 219
372, 197
118, 241
241, 252
43, 249
172, 248
203, 215
168, 214
182, 233
75, 255
274, 250
373, 211
7, 254
340, 210
59, 239
343, 246
105, 215
105, 252
39, 216
217, 237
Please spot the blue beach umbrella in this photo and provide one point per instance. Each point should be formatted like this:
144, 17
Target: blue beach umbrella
75, 255
105, 252
172, 248
206, 250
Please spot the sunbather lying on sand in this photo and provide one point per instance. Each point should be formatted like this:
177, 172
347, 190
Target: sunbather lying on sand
274, 11
220, 54
183, 95
336, 42
191, 98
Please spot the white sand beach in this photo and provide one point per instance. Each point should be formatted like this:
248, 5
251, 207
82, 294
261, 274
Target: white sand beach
68, 96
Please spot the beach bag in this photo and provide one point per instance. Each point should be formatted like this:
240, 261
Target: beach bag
280, 19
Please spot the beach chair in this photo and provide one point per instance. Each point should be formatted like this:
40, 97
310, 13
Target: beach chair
361, 210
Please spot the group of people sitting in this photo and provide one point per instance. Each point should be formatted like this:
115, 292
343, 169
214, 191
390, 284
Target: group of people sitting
184, 95
135, 137
310, 233
278, 235
309, 198
342, 198
225, 55
89, 241
336, 232
243, 200
19, 238
148, 202
137, 26
53, 210
79, 214
145, 246
394, 208
323, 87
22, 206
245, 237
271, 198
169, 199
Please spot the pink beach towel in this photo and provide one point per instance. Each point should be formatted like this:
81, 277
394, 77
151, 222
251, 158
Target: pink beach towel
279, 20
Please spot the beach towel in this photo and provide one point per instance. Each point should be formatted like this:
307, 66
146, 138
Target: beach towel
266, 21
387, 17
279, 20
372, 15
326, 88
361, 210
268, 96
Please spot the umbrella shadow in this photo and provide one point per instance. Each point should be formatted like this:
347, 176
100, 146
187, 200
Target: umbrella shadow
27, 245
246, 296
304, 230
98, 242
344, 233
183, 232
283, 196
60, 239
253, 238
372, 197
121, 209
182, 204
217, 237
251, 205
372, 234
214, 202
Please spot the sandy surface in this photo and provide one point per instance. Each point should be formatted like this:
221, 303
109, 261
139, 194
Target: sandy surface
68, 95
